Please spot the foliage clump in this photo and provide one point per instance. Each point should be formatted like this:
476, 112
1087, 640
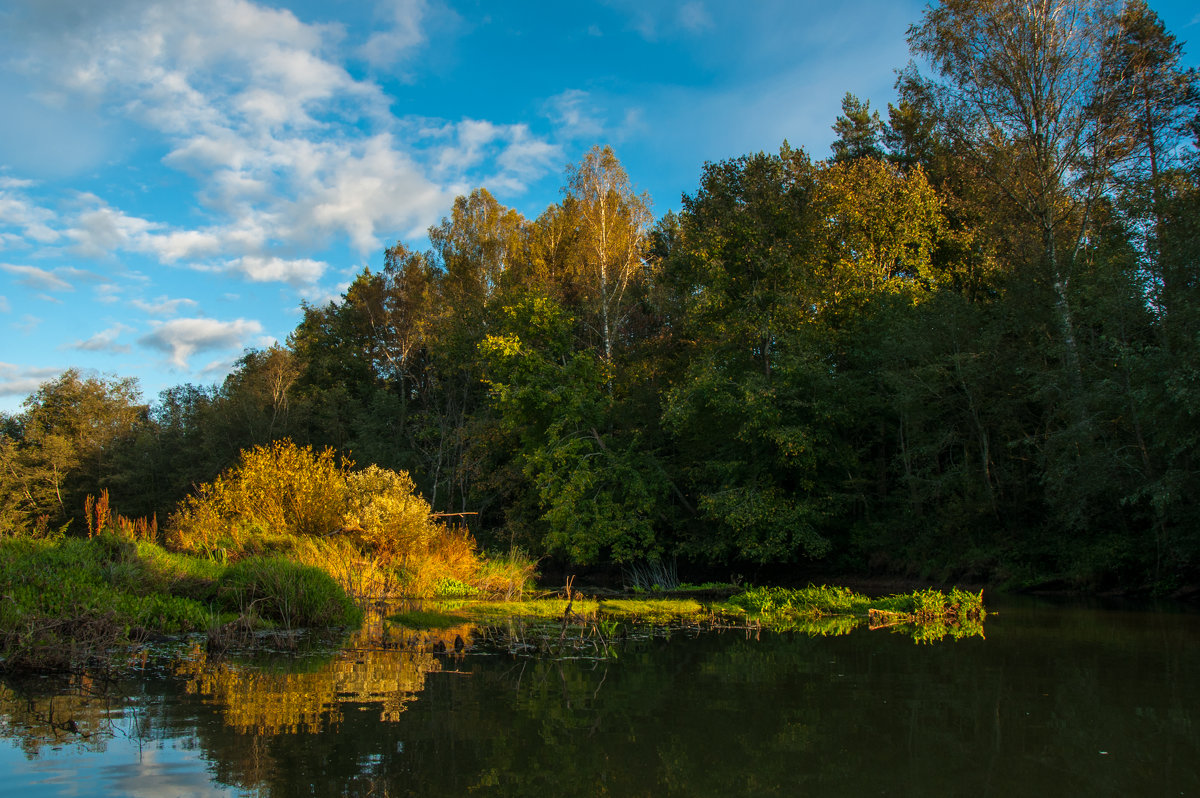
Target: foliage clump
369, 529
928, 615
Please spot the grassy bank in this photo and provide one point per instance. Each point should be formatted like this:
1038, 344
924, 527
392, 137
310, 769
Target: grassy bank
69, 602
926, 615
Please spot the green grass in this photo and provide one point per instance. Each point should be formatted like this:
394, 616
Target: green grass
534, 608
287, 592
427, 619
926, 615
652, 609
69, 601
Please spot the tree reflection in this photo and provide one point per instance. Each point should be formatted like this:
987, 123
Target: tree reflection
380, 666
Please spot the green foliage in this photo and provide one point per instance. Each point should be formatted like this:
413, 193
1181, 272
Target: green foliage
294, 595
448, 587
426, 619
597, 490
816, 602
67, 601
858, 131
955, 349
66, 444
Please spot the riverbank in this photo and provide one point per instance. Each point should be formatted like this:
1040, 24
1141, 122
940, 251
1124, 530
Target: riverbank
70, 603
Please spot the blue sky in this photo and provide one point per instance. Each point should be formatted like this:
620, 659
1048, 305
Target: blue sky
177, 177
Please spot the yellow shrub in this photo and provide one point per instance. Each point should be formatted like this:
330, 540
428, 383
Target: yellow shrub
386, 514
281, 488
368, 529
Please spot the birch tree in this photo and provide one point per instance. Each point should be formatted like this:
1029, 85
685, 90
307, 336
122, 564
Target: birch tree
1019, 79
613, 220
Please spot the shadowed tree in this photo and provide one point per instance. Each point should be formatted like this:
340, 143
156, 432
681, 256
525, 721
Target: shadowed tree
1018, 81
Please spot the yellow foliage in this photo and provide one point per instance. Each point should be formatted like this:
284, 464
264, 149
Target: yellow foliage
279, 488
372, 669
385, 513
368, 529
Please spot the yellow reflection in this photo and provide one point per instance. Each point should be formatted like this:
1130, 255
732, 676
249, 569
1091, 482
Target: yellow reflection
380, 665
81, 714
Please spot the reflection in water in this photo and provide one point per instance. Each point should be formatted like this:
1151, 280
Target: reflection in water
379, 665
1056, 701
79, 712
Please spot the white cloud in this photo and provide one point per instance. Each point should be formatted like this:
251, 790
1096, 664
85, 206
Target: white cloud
18, 212
4, 306
289, 151
41, 279
518, 157
23, 380
104, 341
182, 338
362, 190
575, 116
387, 47
107, 293
252, 104
184, 244
297, 272
217, 369
162, 306
102, 230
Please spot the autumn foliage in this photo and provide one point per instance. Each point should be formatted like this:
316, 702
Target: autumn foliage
368, 528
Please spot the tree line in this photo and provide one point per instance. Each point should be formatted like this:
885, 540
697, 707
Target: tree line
966, 344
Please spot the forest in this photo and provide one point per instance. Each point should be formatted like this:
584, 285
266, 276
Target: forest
966, 345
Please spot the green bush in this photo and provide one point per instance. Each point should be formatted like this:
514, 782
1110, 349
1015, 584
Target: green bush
287, 592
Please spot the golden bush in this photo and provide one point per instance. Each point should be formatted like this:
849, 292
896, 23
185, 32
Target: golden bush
368, 529
276, 489
385, 512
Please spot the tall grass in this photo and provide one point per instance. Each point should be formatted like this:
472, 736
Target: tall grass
290, 593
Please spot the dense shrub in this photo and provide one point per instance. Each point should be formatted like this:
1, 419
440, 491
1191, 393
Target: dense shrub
368, 529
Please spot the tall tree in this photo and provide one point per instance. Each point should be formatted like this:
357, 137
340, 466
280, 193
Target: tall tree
64, 444
1019, 78
612, 220
474, 246
1147, 104
858, 130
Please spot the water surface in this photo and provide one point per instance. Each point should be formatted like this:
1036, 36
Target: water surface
1057, 700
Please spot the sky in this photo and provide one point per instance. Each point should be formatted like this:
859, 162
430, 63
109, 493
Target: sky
178, 177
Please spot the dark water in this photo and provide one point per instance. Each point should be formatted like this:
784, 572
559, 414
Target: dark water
1057, 700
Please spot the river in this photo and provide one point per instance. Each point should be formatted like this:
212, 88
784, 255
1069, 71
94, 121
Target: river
1063, 699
